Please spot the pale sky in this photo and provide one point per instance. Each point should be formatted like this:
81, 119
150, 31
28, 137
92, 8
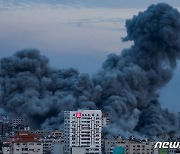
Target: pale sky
75, 33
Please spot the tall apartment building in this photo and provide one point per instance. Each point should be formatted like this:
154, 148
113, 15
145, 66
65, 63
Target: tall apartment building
82, 131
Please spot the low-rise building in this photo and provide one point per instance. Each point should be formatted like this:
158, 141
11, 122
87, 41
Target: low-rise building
49, 142
23, 143
43, 133
131, 146
6, 147
57, 148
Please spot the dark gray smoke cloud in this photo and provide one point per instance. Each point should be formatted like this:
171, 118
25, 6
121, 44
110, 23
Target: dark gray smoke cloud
127, 86
132, 81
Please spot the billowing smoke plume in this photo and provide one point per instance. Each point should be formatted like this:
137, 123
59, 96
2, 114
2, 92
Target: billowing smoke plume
30, 88
127, 86
131, 81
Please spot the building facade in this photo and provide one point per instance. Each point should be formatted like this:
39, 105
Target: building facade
19, 121
130, 146
82, 129
23, 143
49, 142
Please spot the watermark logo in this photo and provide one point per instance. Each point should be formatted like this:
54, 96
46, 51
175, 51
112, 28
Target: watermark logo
167, 145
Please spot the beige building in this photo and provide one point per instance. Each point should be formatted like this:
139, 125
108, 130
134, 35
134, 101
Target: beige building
23, 143
131, 146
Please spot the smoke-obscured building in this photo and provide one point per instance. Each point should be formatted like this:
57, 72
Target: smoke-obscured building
5, 128
19, 121
82, 131
105, 119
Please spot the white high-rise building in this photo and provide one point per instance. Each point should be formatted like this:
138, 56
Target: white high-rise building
82, 131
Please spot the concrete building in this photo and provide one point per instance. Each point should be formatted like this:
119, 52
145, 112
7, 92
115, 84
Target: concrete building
46, 133
43, 133
78, 150
57, 148
82, 129
131, 146
49, 142
5, 128
6, 147
105, 119
58, 134
23, 143
16, 122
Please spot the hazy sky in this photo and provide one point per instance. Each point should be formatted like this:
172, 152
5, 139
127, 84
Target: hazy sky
75, 33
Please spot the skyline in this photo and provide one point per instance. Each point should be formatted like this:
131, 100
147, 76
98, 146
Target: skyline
93, 33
